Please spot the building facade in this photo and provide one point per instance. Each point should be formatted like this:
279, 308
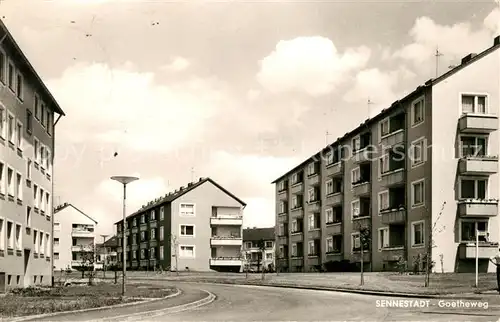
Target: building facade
107, 256
27, 135
197, 228
259, 249
74, 238
421, 177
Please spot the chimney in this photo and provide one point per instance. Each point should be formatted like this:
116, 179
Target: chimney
190, 184
467, 58
200, 179
496, 41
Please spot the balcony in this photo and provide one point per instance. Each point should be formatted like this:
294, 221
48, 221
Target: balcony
296, 237
361, 189
392, 139
395, 215
485, 250
478, 123
478, 165
283, 240
282, 218
314, 206
334, 169
363, 155
297, 188
334, 198
225, 261
81, 248
313, 179
392, 178
226, 241
334, 228
227, 220
478, 207
82, 233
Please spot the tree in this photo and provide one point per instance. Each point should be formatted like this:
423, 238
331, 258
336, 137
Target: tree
89, 254
262, 248
245, 261
174, 245
277, 258
429, 263
365, 239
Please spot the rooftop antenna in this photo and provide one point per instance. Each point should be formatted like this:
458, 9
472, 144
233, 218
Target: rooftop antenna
368, 103
192, 174
437, 55
327, 134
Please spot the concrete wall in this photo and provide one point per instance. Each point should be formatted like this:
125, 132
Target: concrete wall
480, 77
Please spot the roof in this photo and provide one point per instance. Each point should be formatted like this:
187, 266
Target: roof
466, 61
112, 242
66, 205
256, 234
170, 197
25, 60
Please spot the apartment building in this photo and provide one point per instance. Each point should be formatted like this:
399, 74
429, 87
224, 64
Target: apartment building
422, 172
74, 238
197, 228
258, 247
27, 134
107, 256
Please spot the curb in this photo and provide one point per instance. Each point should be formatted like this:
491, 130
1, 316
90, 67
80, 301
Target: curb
94, 309
175, 309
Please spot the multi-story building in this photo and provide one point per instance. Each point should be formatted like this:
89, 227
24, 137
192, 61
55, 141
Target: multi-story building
107, 253
27, 134
258, 247
198, 227
424, 171
74, 238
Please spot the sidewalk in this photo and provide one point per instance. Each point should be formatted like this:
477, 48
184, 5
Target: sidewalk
185, 297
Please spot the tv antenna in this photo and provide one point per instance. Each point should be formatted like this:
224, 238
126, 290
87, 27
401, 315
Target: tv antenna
437, 55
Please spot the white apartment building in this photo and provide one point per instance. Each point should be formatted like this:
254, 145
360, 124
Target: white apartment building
74, 238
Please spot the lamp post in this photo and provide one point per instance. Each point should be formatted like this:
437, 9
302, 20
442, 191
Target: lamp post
105, 255
124, 180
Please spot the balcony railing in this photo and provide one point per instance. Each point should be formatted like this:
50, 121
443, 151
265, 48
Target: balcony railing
485, 250
393, 178
392, 139
478, 123
393, 215
227, 220
226, 240
226, 261
478, 207
478, 165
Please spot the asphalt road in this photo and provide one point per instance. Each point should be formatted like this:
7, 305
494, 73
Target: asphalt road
250, 303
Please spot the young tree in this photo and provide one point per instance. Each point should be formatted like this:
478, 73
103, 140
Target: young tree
431, 244
262, 248
174, 246
365, 239
246, 261
88, 259
277, 258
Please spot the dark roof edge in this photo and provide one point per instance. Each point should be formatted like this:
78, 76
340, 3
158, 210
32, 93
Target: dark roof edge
56, 106
431, 82
68, 205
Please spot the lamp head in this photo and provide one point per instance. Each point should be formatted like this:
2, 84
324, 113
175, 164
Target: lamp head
124, 179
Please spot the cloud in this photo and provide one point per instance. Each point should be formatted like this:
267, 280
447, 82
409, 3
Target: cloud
259, 212
129, 109
453, 41
309, 64
178, 64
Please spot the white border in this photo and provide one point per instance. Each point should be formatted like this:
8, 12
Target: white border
187, 203
413, 103
385, 229
378, 199
412, 225
187, 236
184, 257
486, 108
413, 183
476, 179
352, 241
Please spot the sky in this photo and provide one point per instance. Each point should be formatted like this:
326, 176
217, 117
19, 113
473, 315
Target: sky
239, 91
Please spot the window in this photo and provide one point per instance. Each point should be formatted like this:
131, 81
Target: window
56, 241
28, 216
10, 235
36, 148
248, 245
474, 104
28, 169
281, 185
312, 223
355, 208
35, 241
162, 212
161, 233
29, 121
3, 120
356, 242
186, 251
329, 187
294, 250
384, 127
20, 86
56, 255
384, 164
41, 199
11, 79
329, 245
3, 64
417, 112
468, 229
383, 238
281, 230
143, 254
417, 152
143, 236
312, 248
356, 144
417, 233
329, 215
417, 193
134, 222
295, 226
152, 253
11, 129
355, 175
19, 244
2, 234
152, 215
42, 114
473, 188
473, 146
311, 193
10, 182
153, 234
143, 219
19, 135
311, 169
37, 107
49, 123
19, 187
269, 244
383, 200
47, 244
269, 256
295, 178
187, 209
161, 252
296, 201
187, 230
2, 178
42, 156
47, 118
35, 196
329, 158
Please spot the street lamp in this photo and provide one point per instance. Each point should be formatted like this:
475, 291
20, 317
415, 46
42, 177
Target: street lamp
124, 180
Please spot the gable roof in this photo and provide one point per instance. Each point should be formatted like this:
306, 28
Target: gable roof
256, 234
66, 205
466, 61
112, 242
168, 198
8, 35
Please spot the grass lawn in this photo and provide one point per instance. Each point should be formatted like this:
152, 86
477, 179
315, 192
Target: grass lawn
32, 301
